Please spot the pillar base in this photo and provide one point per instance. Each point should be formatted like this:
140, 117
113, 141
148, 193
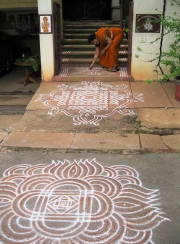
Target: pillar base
177, 90
115, 14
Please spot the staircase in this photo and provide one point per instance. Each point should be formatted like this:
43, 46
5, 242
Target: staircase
77, 54
77, 51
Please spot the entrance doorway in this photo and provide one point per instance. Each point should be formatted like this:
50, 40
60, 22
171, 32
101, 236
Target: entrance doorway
86, 10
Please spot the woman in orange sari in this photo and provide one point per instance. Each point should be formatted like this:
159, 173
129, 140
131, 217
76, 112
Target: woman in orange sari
107, 42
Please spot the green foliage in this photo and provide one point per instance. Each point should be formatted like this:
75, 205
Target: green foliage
126, 30
139, 49
148, 81
170, 58
34, 63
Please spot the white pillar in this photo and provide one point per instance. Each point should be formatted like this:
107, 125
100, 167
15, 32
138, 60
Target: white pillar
45, 7
115, 10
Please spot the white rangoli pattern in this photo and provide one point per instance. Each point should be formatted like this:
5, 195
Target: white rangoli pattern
80, 202
96, 71
93, 101
87, 71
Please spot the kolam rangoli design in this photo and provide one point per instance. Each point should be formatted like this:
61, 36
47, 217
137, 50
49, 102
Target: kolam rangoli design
96, 71
90, 102
76, 203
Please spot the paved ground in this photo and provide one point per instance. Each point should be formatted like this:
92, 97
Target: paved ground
10, 82
90, 162
123, 117
142, 189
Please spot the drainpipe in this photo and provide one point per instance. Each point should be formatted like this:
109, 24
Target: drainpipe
161, 40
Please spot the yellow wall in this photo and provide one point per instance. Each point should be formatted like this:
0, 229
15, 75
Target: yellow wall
18, 3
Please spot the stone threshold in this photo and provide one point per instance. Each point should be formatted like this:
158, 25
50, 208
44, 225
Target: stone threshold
80, 142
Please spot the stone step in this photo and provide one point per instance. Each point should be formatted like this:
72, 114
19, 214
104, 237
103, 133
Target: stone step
81, 30
86, 60
91, 22
76, 35
82, 37
74, 40
86, 46
72, 34
82, 53
75, 73
77, 51
89, 25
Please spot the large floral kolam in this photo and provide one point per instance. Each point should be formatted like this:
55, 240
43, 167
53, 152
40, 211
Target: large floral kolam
90, 102
76, 203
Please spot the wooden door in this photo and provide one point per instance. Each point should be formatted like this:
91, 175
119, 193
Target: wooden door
130, 27
57, 38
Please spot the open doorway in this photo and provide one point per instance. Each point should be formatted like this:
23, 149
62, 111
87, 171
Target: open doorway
22, 29
86, 10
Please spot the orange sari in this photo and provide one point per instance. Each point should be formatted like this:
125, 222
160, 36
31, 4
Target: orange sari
110, 59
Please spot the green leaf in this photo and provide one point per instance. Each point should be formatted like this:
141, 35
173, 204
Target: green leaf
139, 49
148, 81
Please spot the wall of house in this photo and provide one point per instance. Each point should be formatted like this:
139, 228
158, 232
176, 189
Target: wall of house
170, 37
21, 41
45, 7
141, 69
18, 4
12, 9
38, 44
